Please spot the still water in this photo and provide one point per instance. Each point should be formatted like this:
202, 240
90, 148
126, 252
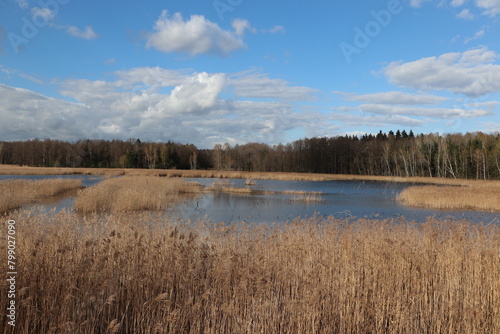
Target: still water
342, 199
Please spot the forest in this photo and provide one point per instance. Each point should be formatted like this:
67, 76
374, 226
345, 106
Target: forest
401, 153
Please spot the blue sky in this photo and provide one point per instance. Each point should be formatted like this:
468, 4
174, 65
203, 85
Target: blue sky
238, 71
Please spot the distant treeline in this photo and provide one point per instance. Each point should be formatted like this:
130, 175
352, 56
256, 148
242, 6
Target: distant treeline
471, 155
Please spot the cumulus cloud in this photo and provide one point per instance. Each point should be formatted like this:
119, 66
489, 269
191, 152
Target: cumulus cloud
198, 94
154, 103
86, 33
194, 37
240, 26
472, 73
27, 115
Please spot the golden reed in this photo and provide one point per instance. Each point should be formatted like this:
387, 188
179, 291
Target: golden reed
16, 193
140, 273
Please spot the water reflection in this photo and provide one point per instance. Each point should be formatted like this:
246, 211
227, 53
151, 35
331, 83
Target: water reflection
342, 199
361, 199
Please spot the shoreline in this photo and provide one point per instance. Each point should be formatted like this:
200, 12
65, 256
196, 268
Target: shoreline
216, 174
441, 194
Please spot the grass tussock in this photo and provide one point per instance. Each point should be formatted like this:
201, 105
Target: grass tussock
477, 196
16, 193
224, 186
308, 199
129, 193
131, 273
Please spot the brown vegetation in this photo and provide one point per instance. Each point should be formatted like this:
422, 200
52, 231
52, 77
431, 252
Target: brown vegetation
132, 273
174, 173
16, 193
480, 196
134, 193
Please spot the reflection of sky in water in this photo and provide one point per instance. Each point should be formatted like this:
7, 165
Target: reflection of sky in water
343, 199
362, 199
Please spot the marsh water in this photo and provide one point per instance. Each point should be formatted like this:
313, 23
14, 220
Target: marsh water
342, 199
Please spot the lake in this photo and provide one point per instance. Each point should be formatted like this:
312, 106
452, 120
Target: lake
342, 199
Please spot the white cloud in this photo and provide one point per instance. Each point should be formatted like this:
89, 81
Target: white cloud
465, 14
472, 73
259, 85
417, 3
87, 33
198, 94
152, 77
393, 98
194, 36
477, 35
240, 26
491, 127
45, 13
28, 115
439, 113
488, 7
457, 3
377, 120
491, 7
161, 104
10, 72
22, 3
275, 30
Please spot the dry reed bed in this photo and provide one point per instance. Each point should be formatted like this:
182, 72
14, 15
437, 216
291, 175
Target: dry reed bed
149, 193
17, 170
480, 196
16, 193
133, 273
131, 193
225, 186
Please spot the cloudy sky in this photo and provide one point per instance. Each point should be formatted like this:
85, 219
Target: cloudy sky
239, 71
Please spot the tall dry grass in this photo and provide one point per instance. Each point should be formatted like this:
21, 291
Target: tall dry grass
16, 193
224, 186
131, 273
174, 173
477, 196
134, 193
